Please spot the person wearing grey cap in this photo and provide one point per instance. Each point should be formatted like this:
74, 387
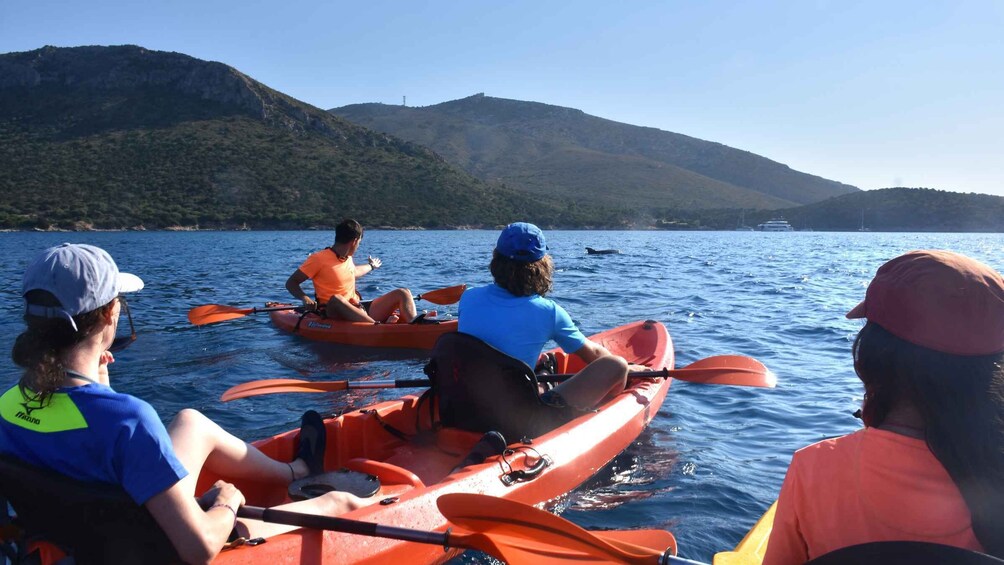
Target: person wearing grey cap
514, 317
64, 416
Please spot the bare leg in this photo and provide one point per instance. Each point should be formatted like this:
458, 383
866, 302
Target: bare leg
341, 309
603, 378
328, 504
400, 298
199, 442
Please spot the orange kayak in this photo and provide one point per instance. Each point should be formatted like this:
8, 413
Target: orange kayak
405, 336
414, 475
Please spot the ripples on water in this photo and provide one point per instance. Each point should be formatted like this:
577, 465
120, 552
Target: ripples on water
711, 461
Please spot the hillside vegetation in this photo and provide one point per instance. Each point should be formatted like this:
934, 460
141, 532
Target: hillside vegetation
906, 209
889, 209
564, 152
118, 137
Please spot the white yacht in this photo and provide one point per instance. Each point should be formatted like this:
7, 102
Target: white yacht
775, 225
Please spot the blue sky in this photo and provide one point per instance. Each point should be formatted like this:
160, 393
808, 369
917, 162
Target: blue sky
874, 94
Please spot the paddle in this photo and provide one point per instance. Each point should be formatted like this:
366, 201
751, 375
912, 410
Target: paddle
735, 370
213, 313
443, 296
515, 545
536, 530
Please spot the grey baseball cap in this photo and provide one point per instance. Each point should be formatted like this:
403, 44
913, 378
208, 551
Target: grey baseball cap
82, 277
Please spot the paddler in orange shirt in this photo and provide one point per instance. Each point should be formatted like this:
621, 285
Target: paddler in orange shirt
929, 464
334, 275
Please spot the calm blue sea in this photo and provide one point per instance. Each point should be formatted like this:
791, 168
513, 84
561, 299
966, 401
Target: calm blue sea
711, 461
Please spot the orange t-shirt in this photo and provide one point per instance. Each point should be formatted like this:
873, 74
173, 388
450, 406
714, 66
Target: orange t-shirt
872, 485
331, 275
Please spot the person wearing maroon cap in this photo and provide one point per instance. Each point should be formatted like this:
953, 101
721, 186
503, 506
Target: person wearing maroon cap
929, 464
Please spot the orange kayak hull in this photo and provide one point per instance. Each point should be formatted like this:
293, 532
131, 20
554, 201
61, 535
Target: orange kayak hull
362, 334
416, 475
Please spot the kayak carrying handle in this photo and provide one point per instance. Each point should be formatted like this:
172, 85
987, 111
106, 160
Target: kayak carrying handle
512, 477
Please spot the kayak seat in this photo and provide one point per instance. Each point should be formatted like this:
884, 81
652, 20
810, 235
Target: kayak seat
456, 441
386, 473
481, 389
96, 522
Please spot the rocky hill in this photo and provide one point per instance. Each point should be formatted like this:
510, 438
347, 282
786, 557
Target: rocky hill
563, 152
113, 137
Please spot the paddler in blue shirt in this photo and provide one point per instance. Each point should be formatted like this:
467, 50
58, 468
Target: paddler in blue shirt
514, 317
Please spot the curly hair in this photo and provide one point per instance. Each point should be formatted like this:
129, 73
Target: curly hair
961, 400
521, 278
40, 348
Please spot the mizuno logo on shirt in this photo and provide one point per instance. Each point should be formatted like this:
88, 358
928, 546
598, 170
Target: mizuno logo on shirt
59, 414
27, 418
29, 409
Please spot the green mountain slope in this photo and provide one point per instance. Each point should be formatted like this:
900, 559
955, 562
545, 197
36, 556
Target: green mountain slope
115, 137
888, 209
906, 209
562, 151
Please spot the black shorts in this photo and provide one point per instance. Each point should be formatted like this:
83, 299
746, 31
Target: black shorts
553, 398
365, 305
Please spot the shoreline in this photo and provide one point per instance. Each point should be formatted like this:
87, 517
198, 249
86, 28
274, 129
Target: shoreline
454, 228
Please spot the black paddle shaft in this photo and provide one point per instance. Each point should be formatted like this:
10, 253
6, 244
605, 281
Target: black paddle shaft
631, 375
276, 516
419, 383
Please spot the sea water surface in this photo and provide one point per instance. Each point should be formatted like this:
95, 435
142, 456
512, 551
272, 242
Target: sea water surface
711, 461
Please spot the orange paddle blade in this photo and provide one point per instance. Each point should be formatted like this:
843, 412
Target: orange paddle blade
269, 386
524, 534
644, 538
212, 313
737, 370
516, 547
444, 296
521, 550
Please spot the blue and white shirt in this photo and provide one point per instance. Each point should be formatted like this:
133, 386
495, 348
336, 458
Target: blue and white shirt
92, 433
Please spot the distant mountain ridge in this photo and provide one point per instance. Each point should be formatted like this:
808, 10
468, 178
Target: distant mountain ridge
899, 209
557, 151
906, 210
124, 136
